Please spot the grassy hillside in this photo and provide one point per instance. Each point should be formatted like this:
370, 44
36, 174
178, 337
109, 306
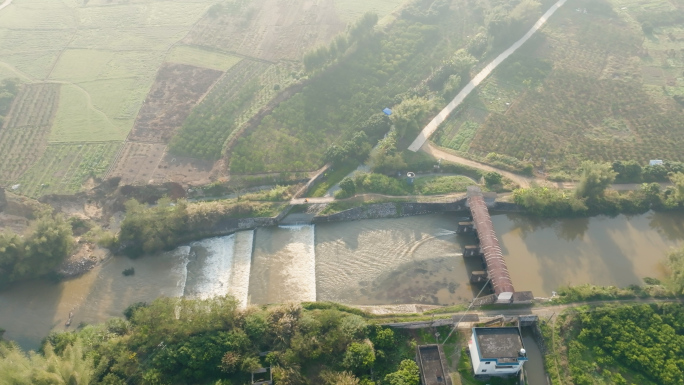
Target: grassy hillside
378, 71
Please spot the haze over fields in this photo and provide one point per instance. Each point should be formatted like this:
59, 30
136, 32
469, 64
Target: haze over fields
211, 145
196, 91
97, 71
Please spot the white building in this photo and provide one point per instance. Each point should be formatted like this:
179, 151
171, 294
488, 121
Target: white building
497, 351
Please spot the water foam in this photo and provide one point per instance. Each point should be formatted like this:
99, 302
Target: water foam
299, 272
183, 254
242, 265
211, 267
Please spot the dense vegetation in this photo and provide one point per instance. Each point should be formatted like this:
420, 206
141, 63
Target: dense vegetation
168, 224
47, 243
9, 88
638, 344
382, 184
592, 195
212, 342
410, 67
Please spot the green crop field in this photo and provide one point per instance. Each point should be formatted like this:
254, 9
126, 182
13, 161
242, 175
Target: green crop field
201, 57
24, 136
101, 58
244, 89
350, 10
606, 84
64, 168
78, 120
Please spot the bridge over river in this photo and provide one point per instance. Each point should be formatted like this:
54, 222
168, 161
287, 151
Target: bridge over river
489, 250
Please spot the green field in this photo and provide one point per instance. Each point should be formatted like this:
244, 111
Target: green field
350, 10
591, 85
103, 57
107, 56
78, 120
63, 168
295, 136
200, 57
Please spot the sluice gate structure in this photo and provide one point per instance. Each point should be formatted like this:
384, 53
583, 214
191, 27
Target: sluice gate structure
480, 224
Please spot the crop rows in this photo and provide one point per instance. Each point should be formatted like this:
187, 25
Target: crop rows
567, 120
64, 167
35, 105
244, 89
24, 137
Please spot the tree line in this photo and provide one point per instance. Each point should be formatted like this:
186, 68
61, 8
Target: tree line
9, 88
592, 195
323, 55
178, 340
638, 344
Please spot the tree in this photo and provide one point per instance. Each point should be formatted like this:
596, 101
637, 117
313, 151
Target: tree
237, 186
348, 186
595, 178
408, 374
250, 364
493, 178
49, 243
359, 356
339, 378
677, 180
410, 114
70, 368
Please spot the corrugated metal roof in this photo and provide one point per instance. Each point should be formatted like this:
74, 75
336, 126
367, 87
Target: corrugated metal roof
489, 243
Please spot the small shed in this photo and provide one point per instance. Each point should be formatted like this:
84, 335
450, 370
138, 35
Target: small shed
655, 162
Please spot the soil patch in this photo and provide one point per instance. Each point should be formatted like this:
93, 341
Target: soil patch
176, 90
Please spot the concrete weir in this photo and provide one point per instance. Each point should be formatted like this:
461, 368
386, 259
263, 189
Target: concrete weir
490, 250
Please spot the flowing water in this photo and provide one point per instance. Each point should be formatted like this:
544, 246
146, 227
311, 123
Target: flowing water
534, 368
283, 265
383, 261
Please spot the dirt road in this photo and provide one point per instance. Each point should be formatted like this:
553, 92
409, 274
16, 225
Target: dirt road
441, 117
440, 154
543, 311
446, 198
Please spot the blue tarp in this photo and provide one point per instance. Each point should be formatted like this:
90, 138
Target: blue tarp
387, 111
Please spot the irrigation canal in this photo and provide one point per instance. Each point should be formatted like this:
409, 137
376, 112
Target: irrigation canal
368, 262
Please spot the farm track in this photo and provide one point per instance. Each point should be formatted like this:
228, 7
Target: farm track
441, 154
549, 311
470, 87
18, 72
89, 99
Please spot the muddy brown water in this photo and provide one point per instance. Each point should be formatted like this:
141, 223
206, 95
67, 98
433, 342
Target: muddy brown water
383, 261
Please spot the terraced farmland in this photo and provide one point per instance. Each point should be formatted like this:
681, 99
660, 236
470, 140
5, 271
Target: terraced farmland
244, 89
24, 136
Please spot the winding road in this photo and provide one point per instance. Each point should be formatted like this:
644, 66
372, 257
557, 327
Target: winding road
441, 117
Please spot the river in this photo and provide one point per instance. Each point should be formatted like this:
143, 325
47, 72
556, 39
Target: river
383, 261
